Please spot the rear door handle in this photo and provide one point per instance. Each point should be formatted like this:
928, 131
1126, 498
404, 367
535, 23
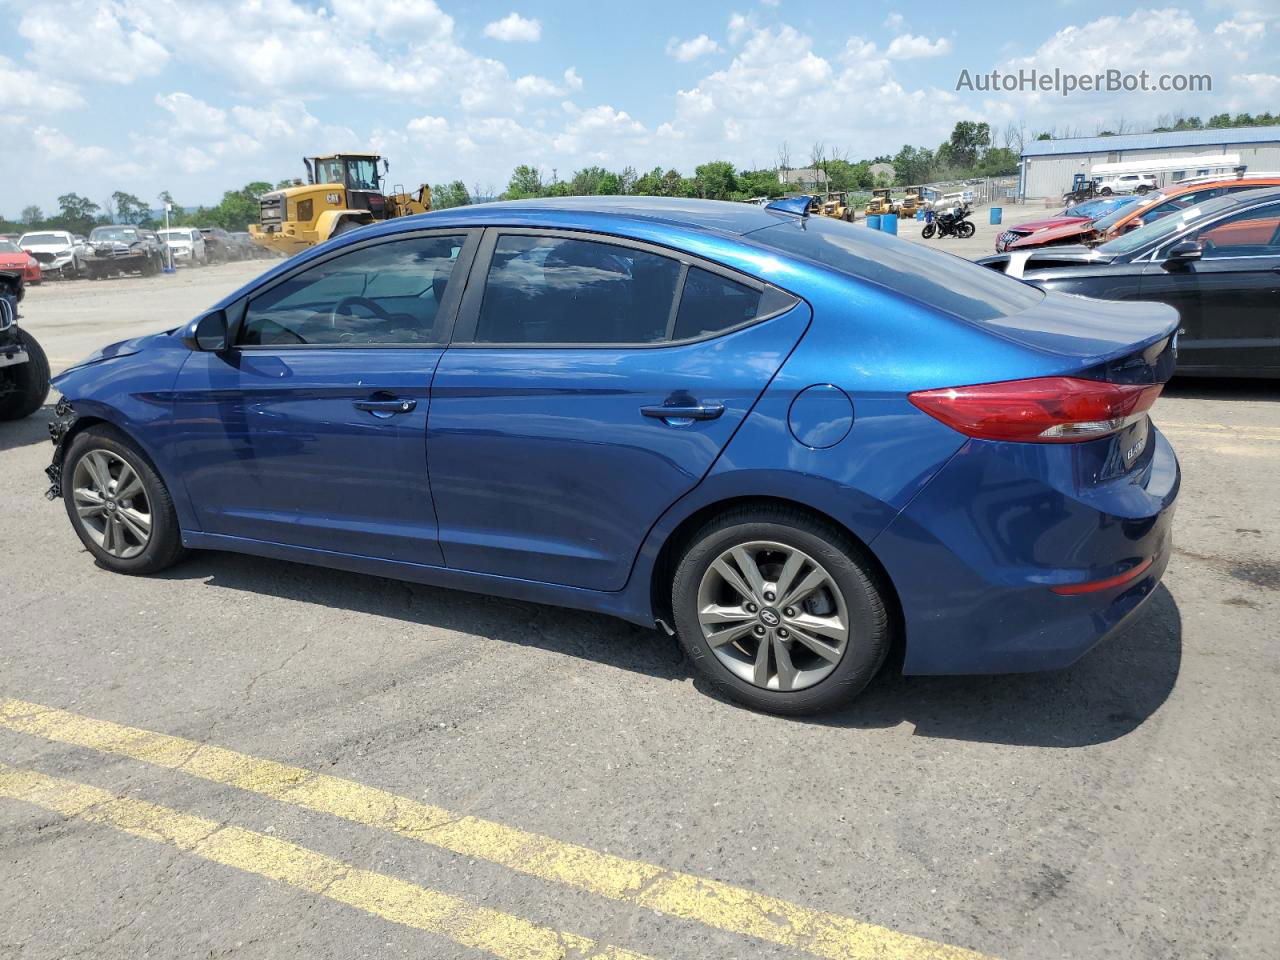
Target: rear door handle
699, 411
386, 408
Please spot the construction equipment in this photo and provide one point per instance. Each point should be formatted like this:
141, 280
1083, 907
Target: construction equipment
836, 205
881, 202
343, 192
913, 201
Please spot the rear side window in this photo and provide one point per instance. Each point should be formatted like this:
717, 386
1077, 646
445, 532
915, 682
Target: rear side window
389, 293
553, 290
711, 303
953, 284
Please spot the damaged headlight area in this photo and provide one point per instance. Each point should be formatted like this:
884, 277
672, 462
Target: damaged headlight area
64, 418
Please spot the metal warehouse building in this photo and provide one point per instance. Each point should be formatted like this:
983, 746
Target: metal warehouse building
1049, 165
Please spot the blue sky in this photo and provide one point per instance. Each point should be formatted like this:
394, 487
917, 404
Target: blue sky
198, 96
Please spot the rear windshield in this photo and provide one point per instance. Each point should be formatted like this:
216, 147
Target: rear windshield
950, 283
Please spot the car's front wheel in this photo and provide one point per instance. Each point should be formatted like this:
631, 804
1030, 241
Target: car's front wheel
118, 505
781, 611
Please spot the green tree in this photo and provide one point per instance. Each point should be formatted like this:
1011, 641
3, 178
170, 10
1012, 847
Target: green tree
446, 195
716, 180
129, 209
526, 181
913, 165
968, 139
32, 215
76, 213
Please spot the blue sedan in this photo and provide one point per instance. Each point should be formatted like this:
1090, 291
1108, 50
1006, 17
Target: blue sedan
792, 441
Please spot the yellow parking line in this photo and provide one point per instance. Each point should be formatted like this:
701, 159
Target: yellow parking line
376, 893
721, 905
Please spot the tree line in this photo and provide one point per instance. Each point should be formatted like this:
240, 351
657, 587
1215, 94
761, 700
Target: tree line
971, 151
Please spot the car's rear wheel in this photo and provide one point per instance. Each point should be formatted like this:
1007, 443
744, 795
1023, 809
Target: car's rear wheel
966, 230
780, 611
28, 383
118, 505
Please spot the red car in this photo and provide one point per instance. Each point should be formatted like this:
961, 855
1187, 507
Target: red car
1036, 233
13, 257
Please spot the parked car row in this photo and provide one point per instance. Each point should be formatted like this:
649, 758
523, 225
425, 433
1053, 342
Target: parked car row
1216, 259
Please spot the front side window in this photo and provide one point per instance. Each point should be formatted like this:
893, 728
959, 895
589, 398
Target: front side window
362, 175
556, 290
1250, 233
385, 294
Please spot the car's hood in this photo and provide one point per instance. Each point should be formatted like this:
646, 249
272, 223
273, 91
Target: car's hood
1048, 223
1062, 233
13, 260
121, 348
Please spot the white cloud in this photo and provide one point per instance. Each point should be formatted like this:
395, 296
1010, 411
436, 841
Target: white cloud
90, 40
193, 118
514, 28
393, 18
687, 50
571, 79
26, 89
894, 21
429, 126
907, 47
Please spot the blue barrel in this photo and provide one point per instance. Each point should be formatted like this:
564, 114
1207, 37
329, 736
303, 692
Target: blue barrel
920, 213
889, 224
873, 221
996, 213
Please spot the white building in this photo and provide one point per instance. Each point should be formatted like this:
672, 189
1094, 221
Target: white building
1048, 166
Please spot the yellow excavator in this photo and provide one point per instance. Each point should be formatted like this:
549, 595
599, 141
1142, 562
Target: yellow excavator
344, 191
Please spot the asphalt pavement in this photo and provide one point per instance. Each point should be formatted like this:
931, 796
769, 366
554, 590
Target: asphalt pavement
244, 757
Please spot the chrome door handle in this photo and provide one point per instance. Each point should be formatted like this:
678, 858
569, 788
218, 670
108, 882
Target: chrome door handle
700, 411
386, 408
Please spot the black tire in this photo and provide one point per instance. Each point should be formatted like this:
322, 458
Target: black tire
869, 630
966, 230
164, 548
29, 382
928, 231
1105, 191
1143, 190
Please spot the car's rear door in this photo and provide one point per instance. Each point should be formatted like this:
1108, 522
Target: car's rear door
590, 384
1229, 299
311, 430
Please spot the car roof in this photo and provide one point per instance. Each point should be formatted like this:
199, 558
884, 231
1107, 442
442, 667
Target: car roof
720, 216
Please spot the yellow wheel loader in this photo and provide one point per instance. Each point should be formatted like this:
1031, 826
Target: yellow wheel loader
343, 192
836, 205
881, 202
912, 202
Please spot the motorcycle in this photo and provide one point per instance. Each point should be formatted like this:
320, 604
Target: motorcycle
954, 222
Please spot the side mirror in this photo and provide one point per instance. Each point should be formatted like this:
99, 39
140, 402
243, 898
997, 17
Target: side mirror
209, 334
1184, 251
1133, 224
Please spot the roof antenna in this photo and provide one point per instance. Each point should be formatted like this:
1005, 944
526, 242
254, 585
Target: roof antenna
794, 205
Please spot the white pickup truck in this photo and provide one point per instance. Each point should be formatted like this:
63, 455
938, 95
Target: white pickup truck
58, 251
1138, 183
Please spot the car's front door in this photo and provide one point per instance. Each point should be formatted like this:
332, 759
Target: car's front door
1229, 299
590, 384
311, 430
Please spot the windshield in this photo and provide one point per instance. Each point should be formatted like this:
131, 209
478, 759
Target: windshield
940, 280
183, 235
8, 246
42, 238
362, 175
1111, 219
127, 234
1098, 208
1166, 226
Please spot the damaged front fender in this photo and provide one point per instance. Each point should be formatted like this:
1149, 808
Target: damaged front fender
65, 418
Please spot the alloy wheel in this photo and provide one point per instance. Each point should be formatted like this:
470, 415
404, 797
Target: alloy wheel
111, 503
773, 616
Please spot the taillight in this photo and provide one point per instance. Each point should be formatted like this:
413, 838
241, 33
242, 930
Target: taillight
1043, 410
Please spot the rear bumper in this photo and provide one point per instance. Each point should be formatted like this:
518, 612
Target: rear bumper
976, 555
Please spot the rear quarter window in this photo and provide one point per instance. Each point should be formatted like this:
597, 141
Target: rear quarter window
949, 283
